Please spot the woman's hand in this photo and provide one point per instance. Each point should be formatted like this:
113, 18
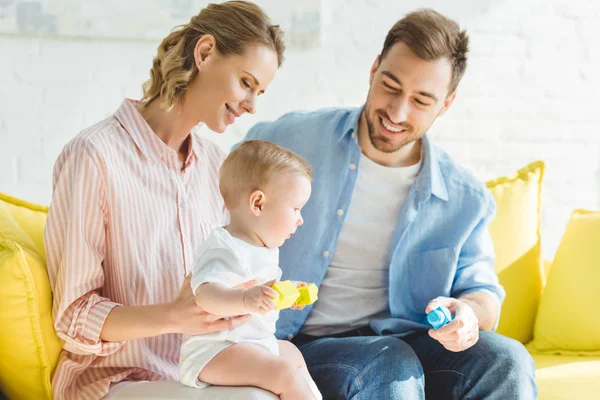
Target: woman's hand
184, 315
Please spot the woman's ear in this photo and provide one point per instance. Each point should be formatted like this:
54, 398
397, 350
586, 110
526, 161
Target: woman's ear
204, 48
257, 202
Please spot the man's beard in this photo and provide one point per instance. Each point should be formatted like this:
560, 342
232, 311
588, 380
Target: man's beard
384, 143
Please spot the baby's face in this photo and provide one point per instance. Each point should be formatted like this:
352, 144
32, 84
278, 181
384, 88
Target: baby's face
281, 214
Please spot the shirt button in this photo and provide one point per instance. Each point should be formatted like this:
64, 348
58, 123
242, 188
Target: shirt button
352, 166
340, 212
325, 253
290, 336
182, 205
353, 135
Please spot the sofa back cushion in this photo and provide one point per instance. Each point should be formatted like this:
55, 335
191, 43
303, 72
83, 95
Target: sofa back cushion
567, 321
515, 231
29, 347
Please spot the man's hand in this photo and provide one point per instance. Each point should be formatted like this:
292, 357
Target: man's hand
462, 332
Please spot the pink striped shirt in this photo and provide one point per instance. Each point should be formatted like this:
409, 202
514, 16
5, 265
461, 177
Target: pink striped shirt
123, 224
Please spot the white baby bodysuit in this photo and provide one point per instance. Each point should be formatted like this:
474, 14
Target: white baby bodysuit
230, 261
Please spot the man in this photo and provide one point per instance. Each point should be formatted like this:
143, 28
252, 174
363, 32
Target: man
394, 229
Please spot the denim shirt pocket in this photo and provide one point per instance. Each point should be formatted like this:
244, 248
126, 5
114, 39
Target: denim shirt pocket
431, 274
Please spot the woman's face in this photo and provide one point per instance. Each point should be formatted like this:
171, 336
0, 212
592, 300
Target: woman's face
226, 87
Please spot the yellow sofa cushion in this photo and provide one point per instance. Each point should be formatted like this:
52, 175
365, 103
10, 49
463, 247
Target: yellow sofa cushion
30, 217
566, 377
515, 231
29, 347
567, 320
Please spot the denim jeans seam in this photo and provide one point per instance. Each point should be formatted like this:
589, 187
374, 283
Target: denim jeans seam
466, 377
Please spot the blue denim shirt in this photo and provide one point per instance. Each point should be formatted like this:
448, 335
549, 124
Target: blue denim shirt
440, 246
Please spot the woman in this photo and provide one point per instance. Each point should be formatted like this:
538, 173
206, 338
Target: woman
134, 194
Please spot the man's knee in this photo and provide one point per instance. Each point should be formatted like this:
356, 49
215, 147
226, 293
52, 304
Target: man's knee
391, 357
507, 353
509, 359
365, 368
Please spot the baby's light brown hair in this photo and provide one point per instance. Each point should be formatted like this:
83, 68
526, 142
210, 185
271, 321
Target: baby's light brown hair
253, 164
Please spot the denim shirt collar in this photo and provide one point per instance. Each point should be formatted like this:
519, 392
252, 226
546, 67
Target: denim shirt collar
350, 124
430, 180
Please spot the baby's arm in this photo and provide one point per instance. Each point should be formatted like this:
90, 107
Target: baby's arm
221, 300
215, 272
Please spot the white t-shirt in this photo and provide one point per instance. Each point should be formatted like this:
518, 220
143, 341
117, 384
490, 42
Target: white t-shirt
355, 288
230, 261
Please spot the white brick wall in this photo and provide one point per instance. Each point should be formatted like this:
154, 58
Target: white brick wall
530, 92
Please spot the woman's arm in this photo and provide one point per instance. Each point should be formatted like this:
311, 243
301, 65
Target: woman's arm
179, 316
75, 242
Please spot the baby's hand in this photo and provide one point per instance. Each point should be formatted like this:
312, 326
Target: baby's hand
259, 299
298, 284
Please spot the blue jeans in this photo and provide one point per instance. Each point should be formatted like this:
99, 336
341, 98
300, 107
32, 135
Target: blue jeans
359, 365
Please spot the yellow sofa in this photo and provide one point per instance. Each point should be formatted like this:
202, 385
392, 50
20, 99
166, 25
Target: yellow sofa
29, 347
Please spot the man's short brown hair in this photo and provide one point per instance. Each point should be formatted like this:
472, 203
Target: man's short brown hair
253, 164
432, 36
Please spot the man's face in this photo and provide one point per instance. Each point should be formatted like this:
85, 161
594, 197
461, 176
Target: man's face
406, 95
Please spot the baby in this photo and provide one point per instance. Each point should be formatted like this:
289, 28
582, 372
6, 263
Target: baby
264, 187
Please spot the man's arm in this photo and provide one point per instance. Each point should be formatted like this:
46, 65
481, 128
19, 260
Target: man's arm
476, 294
476, 282
485, 307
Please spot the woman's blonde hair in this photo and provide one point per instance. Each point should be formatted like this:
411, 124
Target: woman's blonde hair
253, 164
233, 24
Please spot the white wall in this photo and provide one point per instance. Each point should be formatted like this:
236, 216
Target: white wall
530, 92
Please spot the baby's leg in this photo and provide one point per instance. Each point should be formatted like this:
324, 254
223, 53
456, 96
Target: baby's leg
290, 352
247, 364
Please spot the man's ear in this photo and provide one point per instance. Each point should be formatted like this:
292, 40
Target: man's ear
257, 202
204, 48
374, 69
447, 103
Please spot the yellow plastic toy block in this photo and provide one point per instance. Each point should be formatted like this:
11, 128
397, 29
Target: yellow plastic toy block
287, 294
308, 294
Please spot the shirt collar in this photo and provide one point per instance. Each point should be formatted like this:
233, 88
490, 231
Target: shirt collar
194, 152
430, 180
144, 137
350, 124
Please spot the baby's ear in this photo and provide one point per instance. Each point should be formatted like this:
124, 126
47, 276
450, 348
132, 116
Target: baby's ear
257, 201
